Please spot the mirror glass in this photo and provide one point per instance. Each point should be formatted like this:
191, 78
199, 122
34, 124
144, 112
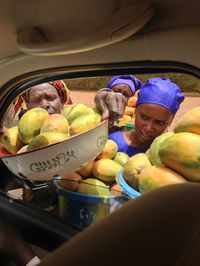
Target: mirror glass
44, 195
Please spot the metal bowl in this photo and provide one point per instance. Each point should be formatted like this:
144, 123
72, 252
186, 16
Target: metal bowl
59, 159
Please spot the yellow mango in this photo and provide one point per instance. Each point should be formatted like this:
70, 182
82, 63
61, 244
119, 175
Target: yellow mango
181, 152
154, 149
109, 150
190, 122
30, 124
47, 138
106, 170
55, 122
86, 170
153, 177
10, 140
133, 168
83, 123
93, 186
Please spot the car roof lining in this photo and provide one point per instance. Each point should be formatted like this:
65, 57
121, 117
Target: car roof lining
164, 37
153, 46
83, 17
121, 24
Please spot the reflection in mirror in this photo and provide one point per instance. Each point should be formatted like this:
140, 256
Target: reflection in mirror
83, 90
57, 96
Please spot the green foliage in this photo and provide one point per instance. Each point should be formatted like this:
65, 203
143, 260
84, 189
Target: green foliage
188, 83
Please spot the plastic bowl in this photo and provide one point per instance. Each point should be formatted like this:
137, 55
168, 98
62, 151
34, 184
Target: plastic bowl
128, 190
83, 210
59, 159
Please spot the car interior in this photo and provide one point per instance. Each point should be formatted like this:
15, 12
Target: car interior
86, 41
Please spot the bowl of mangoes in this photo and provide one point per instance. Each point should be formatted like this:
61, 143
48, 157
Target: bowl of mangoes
45, 146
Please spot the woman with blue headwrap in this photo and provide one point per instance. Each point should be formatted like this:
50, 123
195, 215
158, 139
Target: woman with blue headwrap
125, 84
158, 101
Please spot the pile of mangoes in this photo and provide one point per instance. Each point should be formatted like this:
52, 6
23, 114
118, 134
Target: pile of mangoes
173, 157
129, 112
98, 176
37, 128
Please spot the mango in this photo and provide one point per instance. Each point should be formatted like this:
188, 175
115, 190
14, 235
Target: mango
154, 149
121, 158
190, 122
46, 138
181, 152
93, 110
106, 170
129, 111
132, 101
109, 150
92, 186
134, 167
115, 189
70, 113
68, 106
30, 124
147, 154
86, 170
55, 122
71, 181
10, 140
83, 123
153, 177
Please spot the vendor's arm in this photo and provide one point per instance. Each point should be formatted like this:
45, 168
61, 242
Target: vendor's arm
110, 104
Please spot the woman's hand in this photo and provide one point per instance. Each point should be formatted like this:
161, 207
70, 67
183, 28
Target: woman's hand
110, 104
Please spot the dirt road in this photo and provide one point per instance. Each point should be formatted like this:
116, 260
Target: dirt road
87, 98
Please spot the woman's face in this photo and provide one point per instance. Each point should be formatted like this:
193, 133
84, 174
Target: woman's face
151, 120
45, 96
124, 89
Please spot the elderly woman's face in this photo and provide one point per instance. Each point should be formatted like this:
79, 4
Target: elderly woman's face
45, 96
124, 89
151, 120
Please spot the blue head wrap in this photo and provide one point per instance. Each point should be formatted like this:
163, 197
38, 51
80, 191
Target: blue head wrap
129, 80
161, 91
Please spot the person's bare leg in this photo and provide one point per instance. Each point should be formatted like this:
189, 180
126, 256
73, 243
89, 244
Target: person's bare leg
159, 228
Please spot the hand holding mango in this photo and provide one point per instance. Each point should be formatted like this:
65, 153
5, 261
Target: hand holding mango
110, 104
112, 100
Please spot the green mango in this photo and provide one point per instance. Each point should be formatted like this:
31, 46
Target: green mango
47, 138
154, 149
30, 124
70, 113
84, 122
121, 158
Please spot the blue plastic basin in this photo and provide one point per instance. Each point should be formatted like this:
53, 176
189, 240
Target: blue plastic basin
83, 209
128, 190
